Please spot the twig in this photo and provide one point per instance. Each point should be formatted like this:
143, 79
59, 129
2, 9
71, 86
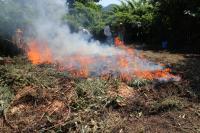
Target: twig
60, 123
6, 119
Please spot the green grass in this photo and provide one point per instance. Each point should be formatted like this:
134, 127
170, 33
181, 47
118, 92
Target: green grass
138, 83
6, 96
91, 93
168, 104
18, 76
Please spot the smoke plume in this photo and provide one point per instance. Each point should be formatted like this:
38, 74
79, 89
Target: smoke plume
51, 40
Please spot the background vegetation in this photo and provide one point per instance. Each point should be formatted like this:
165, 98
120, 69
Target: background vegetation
145, 21
149, 21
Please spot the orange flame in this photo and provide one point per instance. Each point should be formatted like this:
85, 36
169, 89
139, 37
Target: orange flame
39, 55
118, 42
80, 66
154, 75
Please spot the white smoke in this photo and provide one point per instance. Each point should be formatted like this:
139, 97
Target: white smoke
48, 27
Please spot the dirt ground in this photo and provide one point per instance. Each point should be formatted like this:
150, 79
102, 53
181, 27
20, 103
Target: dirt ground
46, 101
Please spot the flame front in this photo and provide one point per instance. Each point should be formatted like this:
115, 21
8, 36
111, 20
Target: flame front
126, 65
38, 54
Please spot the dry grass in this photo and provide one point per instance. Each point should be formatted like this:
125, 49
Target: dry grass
168, 104
39, 98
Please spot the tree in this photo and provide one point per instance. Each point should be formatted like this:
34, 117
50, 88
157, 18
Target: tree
137, 17
72, 2
87, 15
178, 20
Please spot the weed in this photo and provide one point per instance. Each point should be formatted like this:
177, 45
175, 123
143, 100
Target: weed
22, 75
137, 83
165, 105
6, 96
115, 83
90, 93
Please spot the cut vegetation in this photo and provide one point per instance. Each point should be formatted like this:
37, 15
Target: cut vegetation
40, 98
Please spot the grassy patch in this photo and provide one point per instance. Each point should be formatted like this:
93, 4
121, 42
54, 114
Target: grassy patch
91, 87
91, 93
6, 96
90, 113
18, 76
165, 105
137, 83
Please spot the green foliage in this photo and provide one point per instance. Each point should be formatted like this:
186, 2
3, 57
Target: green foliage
166, 105
91, 93
151, 20
138, 83
136, 16
5, 97
91, 88
90, 106
177, 20
135, 13
20, 75
145, 20
87, 15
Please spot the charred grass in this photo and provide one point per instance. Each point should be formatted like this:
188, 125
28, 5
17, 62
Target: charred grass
42, 99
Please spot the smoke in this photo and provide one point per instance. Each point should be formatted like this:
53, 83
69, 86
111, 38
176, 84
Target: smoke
47, 28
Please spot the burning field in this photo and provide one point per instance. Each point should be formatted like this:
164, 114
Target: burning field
51, 42
41, 97
66, 83
123, 62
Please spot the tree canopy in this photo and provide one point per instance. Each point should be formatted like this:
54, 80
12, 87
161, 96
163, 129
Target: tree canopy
88, 15
149, 21
178, 20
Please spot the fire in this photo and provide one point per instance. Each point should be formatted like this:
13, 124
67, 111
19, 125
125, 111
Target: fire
125, 66
39, 53
123, 62
118, 42
154, 75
